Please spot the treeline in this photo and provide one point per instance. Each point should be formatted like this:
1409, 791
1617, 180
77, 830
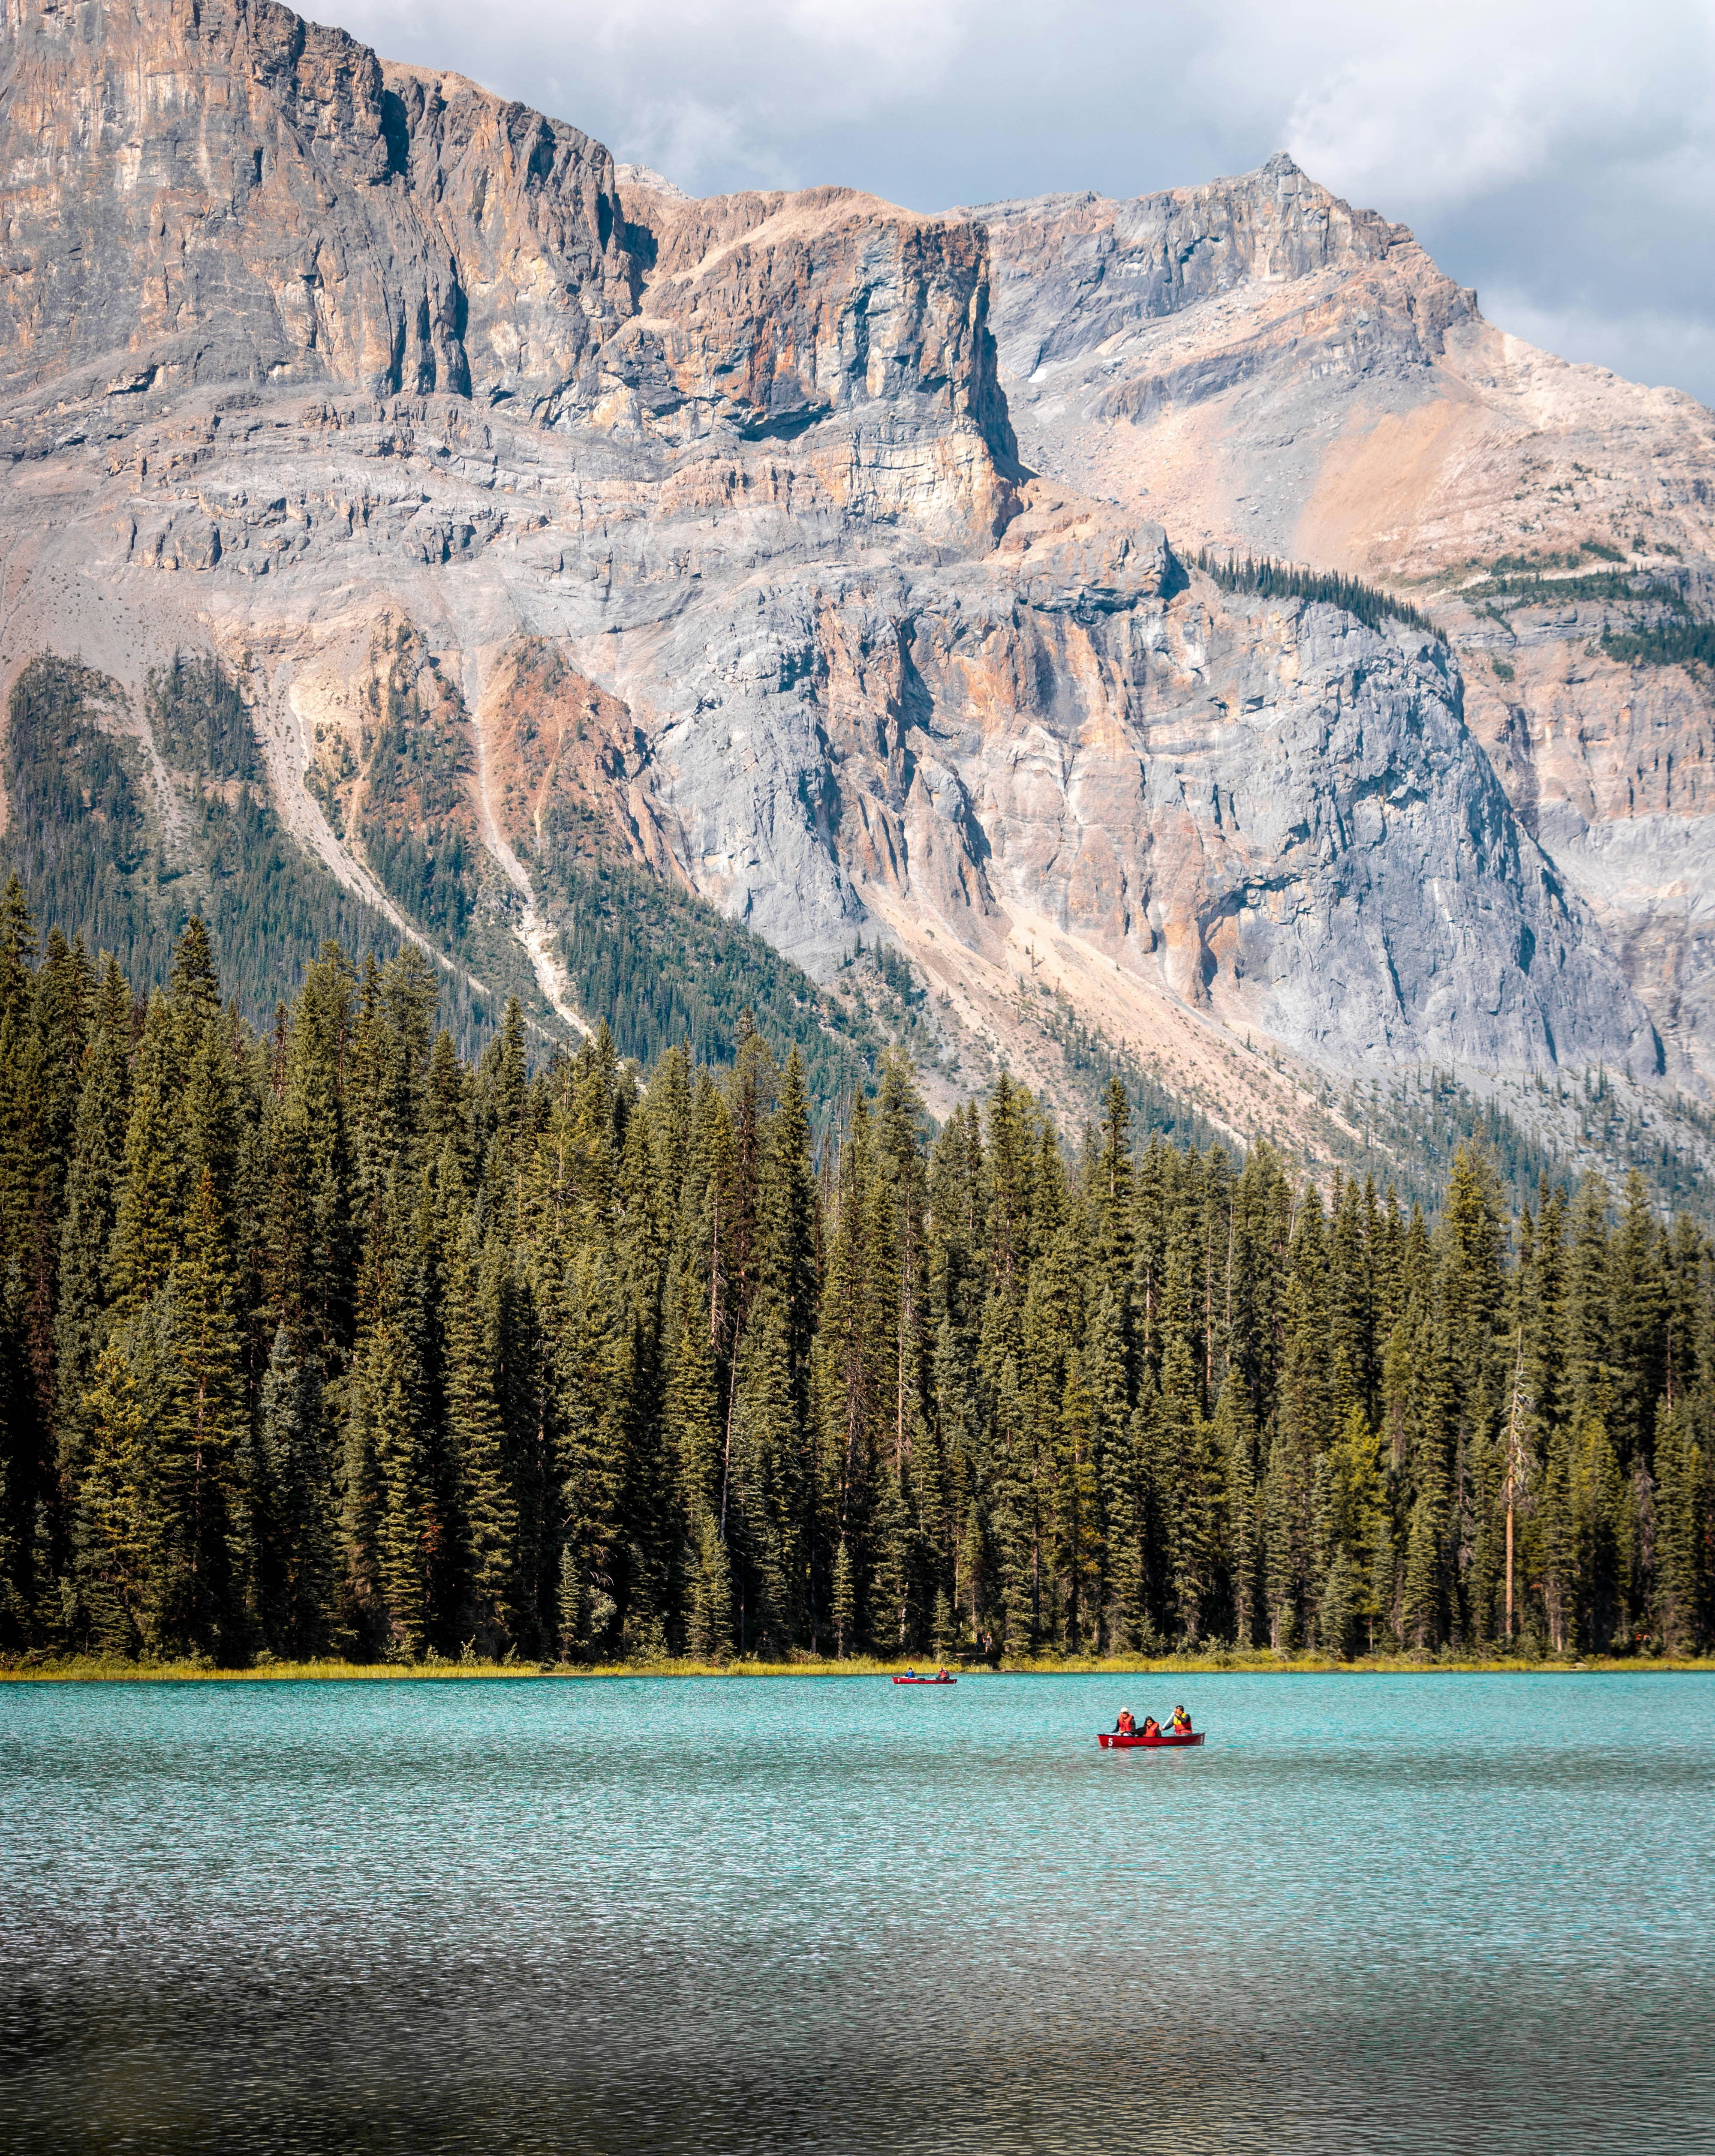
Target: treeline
1365, 602
321, 1340
1532, 587
1675, 640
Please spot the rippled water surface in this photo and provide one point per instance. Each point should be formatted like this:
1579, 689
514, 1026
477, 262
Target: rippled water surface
1437, 1913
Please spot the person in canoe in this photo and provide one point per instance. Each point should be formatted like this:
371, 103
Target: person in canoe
943, 1677
1151, 1727
1125, 1726
1182, 1722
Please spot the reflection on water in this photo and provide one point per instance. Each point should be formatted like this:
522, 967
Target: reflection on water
1440, 1913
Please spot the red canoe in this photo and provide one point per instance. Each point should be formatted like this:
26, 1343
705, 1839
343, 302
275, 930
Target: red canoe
1109, 1742
926, 1681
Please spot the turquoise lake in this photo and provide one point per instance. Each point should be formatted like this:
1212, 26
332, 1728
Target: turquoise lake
1370, 1914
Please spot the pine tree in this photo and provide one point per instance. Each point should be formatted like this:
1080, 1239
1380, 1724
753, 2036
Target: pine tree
595, 1389
790, 1238
1301, 1427
93, 1187
711, 1632
1235, 1442
896, 1614
844, 1605
1282, 1510
487, 1502
1597, 1498
1422, 1587
1351, 1319
1185, 1473
1338, 1611
1133, 1566
1356, 1507
294, 1543
150, 1206
1019, 1515
309, 1239
109, 1528
765, 1444
1637, 1298
202, 1565
693, 1407
1078, 1538
1588, 1324
1682, 1531
396, 1438
854, 1364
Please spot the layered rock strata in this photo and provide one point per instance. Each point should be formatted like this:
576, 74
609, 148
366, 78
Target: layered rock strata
708, 519
1269, 371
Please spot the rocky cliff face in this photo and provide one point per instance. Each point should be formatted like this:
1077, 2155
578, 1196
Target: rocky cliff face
201, 194
1267, 370
695, 535
1612, 766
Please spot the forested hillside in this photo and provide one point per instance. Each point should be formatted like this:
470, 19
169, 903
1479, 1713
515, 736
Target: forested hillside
104, 849
107, 847
322, 1339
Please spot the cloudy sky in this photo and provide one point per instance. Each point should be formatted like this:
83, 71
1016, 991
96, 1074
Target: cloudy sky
1557, 154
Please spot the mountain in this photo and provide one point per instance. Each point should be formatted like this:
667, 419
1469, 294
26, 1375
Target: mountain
633, 596
1269, 371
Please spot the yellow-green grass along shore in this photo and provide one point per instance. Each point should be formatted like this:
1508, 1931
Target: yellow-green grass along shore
96, 1670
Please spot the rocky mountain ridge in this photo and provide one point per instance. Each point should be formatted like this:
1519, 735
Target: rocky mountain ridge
1271, 372
547, 517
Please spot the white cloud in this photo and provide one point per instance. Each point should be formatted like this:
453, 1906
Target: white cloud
1451, 100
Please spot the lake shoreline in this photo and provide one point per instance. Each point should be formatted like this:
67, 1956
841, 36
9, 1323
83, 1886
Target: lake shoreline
88, 1670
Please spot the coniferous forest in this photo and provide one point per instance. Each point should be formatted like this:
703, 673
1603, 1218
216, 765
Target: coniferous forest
321, 1341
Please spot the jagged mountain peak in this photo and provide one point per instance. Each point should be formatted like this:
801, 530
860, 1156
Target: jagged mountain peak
650, 182
1077, 276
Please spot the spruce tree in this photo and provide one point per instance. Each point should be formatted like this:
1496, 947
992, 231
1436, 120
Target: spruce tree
844, 1604
1235, 1443
295, 1540
395, 1436
92, 1196
109, 1530
1682, 1531
1078, 1536
487, 1508
710, 1624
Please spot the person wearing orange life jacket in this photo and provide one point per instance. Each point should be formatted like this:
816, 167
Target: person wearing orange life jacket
1182, 1722
1125, 1726
1151, 1727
